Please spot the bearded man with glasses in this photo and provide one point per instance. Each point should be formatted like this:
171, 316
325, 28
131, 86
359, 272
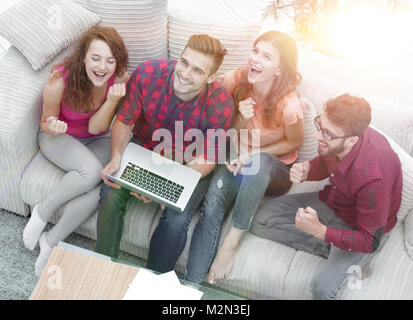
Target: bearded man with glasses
351, 218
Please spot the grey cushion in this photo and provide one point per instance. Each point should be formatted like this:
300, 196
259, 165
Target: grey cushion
308, 150
40, 29
236, 35
142, 25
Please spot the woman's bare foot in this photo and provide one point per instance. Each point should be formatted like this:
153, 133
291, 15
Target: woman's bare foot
222, 265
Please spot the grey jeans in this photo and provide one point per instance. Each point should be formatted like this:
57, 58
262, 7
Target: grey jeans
275, 220
77, 193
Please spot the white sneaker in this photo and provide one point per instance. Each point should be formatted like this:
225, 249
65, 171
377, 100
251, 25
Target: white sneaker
33, 229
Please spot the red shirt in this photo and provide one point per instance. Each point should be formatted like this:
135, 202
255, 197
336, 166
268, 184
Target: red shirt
365, 192
151, 104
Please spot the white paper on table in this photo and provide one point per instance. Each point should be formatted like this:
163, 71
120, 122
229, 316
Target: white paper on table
149, 286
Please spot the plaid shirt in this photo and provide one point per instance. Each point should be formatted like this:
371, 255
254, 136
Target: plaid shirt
365, 192
150, 104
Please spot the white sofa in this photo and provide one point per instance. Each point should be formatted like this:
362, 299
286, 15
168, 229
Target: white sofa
263, 269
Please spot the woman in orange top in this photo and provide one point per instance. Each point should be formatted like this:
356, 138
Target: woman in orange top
265, 93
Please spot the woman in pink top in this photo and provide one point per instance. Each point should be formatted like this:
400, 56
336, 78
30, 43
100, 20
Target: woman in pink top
265, 93
80, 99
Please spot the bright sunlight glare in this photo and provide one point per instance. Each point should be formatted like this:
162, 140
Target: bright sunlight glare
370, 36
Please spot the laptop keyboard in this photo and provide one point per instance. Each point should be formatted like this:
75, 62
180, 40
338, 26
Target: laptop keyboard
150, 181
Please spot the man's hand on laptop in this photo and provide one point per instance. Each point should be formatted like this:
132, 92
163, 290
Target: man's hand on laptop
144, 199
112, 167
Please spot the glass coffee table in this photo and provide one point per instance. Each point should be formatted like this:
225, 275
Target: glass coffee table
73, 272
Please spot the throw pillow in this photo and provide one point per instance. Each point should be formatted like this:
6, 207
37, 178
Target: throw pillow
308, 150
236, 34
395, 120
141, 23
40, 29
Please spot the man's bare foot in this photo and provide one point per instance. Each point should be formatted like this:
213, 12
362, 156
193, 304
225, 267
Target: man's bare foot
222, 265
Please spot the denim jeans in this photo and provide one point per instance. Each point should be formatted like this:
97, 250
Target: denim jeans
225, 190
169, 237
275, 220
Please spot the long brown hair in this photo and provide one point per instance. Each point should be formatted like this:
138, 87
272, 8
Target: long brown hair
284, 84
78, 89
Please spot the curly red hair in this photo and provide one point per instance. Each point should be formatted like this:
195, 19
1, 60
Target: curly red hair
78, 89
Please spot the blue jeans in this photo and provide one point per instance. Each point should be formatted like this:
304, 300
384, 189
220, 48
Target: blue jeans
225, 190
169, 237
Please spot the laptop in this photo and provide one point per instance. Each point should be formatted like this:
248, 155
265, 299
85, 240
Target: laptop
156, 177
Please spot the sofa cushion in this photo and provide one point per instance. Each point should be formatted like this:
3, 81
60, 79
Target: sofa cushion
235, 34
40, 29
395, 120
142, 25
308, 150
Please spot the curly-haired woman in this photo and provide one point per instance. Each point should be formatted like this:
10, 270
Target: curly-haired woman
80, 99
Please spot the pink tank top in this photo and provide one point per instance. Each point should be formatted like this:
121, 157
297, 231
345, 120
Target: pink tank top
78, 123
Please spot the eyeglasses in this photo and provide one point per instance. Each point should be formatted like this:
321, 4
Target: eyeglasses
327, 135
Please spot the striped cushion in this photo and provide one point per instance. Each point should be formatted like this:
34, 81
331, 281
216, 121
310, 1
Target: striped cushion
141, 23
394, 120
40, 29
308, 150
236, 35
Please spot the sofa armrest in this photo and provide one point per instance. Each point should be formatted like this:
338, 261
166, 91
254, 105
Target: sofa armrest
20, 107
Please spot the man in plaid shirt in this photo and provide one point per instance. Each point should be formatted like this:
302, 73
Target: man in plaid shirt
350, 219
164, 94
